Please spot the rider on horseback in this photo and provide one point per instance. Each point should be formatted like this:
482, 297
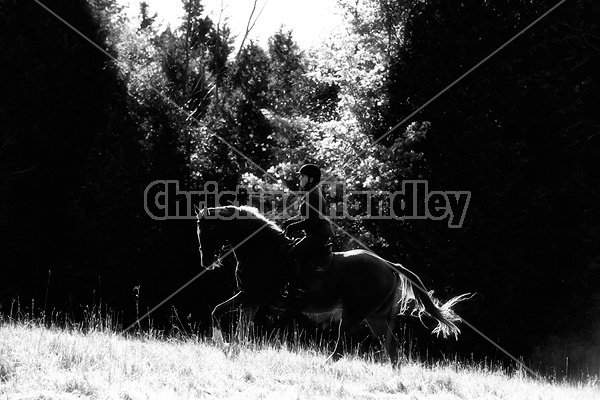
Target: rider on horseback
316, 226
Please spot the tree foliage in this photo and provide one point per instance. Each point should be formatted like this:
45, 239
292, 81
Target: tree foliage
82, 136
520, 135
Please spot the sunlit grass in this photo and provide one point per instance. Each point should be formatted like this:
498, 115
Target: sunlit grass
41, 363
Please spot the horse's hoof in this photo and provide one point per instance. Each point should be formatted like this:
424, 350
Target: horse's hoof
217, 338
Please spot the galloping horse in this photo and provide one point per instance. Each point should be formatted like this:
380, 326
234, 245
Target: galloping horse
365, 286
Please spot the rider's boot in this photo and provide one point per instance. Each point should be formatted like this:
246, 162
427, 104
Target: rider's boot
293, 290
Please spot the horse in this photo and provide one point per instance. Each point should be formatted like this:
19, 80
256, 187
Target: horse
363, 285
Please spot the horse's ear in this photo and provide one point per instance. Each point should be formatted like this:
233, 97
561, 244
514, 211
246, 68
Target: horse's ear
199, 212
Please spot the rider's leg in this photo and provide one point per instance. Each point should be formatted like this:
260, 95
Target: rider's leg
306, 247
298, 250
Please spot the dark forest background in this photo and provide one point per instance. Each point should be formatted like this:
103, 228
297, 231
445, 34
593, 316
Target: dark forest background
82, 135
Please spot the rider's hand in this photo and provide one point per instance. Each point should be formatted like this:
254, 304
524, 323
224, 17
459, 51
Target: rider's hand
289, 230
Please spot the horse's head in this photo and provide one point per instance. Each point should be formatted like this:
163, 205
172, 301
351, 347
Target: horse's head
210, 237
242, 228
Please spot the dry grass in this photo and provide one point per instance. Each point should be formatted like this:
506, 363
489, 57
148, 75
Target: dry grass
43, 364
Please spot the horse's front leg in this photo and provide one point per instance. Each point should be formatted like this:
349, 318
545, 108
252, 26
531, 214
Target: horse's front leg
244, 328
218, 312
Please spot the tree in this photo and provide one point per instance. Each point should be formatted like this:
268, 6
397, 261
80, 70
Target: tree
512, 133
146, 20
251, 74
286, 74
69, 156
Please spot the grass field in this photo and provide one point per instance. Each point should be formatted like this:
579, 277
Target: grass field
43, 364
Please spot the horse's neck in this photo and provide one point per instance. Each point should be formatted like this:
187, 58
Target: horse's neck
259, 249
260, 246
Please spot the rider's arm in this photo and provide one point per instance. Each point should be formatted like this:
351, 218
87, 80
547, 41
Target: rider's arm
311, 211
290, 221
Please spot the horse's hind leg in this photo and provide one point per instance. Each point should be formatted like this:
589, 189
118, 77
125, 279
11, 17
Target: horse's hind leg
354, 312
339, 347
382, 327
383, 322
347, 327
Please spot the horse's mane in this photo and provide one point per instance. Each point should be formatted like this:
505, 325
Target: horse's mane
254, 214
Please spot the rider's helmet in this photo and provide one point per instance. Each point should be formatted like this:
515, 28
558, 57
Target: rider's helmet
312, 171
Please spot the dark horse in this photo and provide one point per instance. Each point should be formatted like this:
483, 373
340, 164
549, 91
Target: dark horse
360, 283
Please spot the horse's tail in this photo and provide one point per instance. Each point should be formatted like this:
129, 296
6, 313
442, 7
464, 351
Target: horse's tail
411, 289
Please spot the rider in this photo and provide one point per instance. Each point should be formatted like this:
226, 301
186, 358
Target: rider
316, 226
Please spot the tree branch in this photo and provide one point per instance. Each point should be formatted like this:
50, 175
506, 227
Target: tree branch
250, 24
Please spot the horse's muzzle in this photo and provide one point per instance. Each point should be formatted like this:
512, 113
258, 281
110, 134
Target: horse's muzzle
211, 262
207, 261
210, 267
